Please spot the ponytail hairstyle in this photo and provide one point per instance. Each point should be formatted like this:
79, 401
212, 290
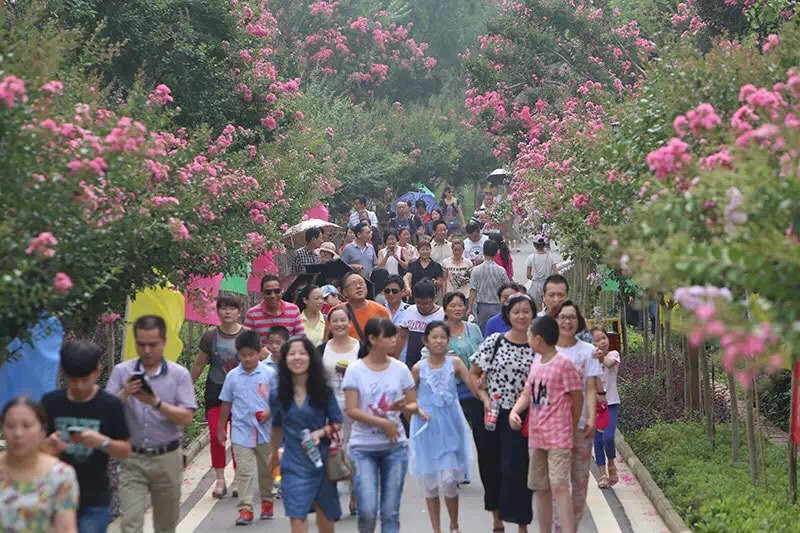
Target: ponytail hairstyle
505, 253
376, 327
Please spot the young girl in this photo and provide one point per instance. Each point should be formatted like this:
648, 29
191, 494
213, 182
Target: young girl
441, 453
376, 387
303, 400
604, 440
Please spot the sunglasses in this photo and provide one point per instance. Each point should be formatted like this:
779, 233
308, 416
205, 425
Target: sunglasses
391, 291
267, 292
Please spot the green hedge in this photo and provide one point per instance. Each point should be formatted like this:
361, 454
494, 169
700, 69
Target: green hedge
710, 492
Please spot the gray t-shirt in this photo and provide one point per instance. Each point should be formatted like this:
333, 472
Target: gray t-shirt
486, 279
352, 254
376, 391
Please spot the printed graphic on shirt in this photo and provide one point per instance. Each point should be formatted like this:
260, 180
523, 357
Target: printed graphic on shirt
228, 357
381, 402
79, 452
539, 396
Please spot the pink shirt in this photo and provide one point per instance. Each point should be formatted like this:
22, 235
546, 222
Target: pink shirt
551, 403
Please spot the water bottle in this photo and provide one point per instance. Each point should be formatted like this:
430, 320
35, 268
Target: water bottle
311, 449
490, 418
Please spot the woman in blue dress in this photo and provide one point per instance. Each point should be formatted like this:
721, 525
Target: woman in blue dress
303, 401
441, 452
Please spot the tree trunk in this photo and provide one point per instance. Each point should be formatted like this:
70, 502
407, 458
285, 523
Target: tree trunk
646, 324
792, 444
750, 427
708, 396
760, 429
734, 417
623, 323
668, 356
693, 383
658, 339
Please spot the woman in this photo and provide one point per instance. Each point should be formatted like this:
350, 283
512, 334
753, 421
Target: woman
421, 216
392, 257
504, 256
376, 388
436, 214
310, 303
423, 268
465, 339
337, 354
452, 211
457, 269
570, 322
506, 359
541, 265
38, 492
304, 401
604, 446
404, 242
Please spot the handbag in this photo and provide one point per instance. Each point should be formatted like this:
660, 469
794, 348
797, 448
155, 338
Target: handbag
603, 417
338, 465
525, 429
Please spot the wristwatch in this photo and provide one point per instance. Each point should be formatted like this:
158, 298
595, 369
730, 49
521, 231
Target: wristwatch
105, 444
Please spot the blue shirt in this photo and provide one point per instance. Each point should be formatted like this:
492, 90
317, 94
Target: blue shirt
496, 324
248, 394
354, 255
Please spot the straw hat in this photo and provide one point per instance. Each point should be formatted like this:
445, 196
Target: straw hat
330, 248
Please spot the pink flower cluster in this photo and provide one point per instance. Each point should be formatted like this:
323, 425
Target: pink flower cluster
177, 229
12, 90
162, 95
669, 159
703, 117
62, 283
42, 245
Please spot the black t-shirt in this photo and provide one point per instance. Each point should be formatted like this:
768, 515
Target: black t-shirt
418, 272
104, 413
222, 358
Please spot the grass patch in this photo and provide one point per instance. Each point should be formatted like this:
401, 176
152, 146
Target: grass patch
707, 489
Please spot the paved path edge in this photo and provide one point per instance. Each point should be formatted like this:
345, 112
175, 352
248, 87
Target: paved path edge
662, 505
190, 452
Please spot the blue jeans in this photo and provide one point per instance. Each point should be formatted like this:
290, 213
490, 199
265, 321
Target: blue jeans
604, 441
94, 519
388, 466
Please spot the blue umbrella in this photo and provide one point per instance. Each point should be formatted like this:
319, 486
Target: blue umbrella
411, 198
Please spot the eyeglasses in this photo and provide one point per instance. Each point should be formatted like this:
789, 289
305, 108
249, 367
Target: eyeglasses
572, 318
391, 291
356, 285
267, 292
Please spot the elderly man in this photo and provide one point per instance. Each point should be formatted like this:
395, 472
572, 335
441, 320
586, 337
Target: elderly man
354, 288
404, 220
441, 248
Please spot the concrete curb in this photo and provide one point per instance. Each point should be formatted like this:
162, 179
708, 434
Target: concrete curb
668, 514
189, 453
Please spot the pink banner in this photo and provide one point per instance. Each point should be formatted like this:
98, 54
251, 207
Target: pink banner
263, 264
201, 296
320, 212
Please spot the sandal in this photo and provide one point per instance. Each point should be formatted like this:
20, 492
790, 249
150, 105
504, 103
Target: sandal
218, 492
613, 479
499, 529
603, 483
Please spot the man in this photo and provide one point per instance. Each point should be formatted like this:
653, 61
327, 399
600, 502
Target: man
354, 288
484, 285
556, 290
473, 245
102, 431
421, 217
481, 214
404, 220
307, 255
416, 318
497, 323
393, 291
360, 254
361, 214
273, 311
441, 248
540, 265
159, 400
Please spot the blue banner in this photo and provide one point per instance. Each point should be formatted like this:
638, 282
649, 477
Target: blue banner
33, 369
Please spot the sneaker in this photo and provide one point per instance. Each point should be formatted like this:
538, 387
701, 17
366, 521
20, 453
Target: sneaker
245, 517
266, 510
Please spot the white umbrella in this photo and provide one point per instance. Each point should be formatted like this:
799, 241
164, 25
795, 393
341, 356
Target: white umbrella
300, 229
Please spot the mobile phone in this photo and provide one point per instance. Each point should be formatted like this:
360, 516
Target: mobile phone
74, 430
145, 385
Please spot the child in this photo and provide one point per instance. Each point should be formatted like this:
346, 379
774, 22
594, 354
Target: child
276, 337
554, 392
440, 453
330, 298
246, 393
604, 440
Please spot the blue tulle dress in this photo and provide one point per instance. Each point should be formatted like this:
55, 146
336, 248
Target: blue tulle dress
441, 454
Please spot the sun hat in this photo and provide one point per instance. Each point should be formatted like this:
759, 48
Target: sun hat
330, 248
327, 290
540, 239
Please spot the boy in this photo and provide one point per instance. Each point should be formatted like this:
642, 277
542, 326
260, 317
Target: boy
276, 337
86, 425
246, 394
554, 392
330, 298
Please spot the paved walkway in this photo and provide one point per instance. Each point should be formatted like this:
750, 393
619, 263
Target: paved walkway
622, 509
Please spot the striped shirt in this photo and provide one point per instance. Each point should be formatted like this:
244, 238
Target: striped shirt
486, 279
258, 319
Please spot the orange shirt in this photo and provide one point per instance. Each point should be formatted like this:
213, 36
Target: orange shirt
371, 310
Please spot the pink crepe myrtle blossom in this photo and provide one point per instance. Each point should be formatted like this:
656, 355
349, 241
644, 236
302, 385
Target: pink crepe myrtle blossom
62, 283
703, 117
42, 245
579, 201
159, 201
177, 229
109, 318
12, 90
669, 159
770, 43
53, 87
162, 95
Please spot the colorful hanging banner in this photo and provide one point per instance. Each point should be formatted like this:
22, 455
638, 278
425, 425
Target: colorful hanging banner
165, 302
33, 370
236, 284
201, 297
263, 264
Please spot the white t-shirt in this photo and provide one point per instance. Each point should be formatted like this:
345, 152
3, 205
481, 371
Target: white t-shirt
391, 264
581, 357
610, 378
541, 266
376, 389
474, 250
415, 322
458, 275
329, 360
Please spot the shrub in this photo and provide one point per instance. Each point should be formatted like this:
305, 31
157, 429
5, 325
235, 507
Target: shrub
775, 395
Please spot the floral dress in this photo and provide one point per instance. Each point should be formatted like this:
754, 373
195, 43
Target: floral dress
31, 506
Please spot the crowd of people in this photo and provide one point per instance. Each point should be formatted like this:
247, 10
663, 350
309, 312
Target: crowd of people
417, 351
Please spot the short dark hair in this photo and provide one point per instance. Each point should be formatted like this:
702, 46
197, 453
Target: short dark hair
312, 233
148, 322
268, 277
361, 199
556, 279
472, 227
248, 339
388, 234
396, 280
229, 301
33, 405
569, 303
505, 286
547, 328
283, 331
420, 202
505, 312
436, 324
350, 274
80, 358
424, 242
358, 228
452, 295
424, 289
439, 223
490, 248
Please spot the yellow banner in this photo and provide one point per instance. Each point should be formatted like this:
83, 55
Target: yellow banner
163, 302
